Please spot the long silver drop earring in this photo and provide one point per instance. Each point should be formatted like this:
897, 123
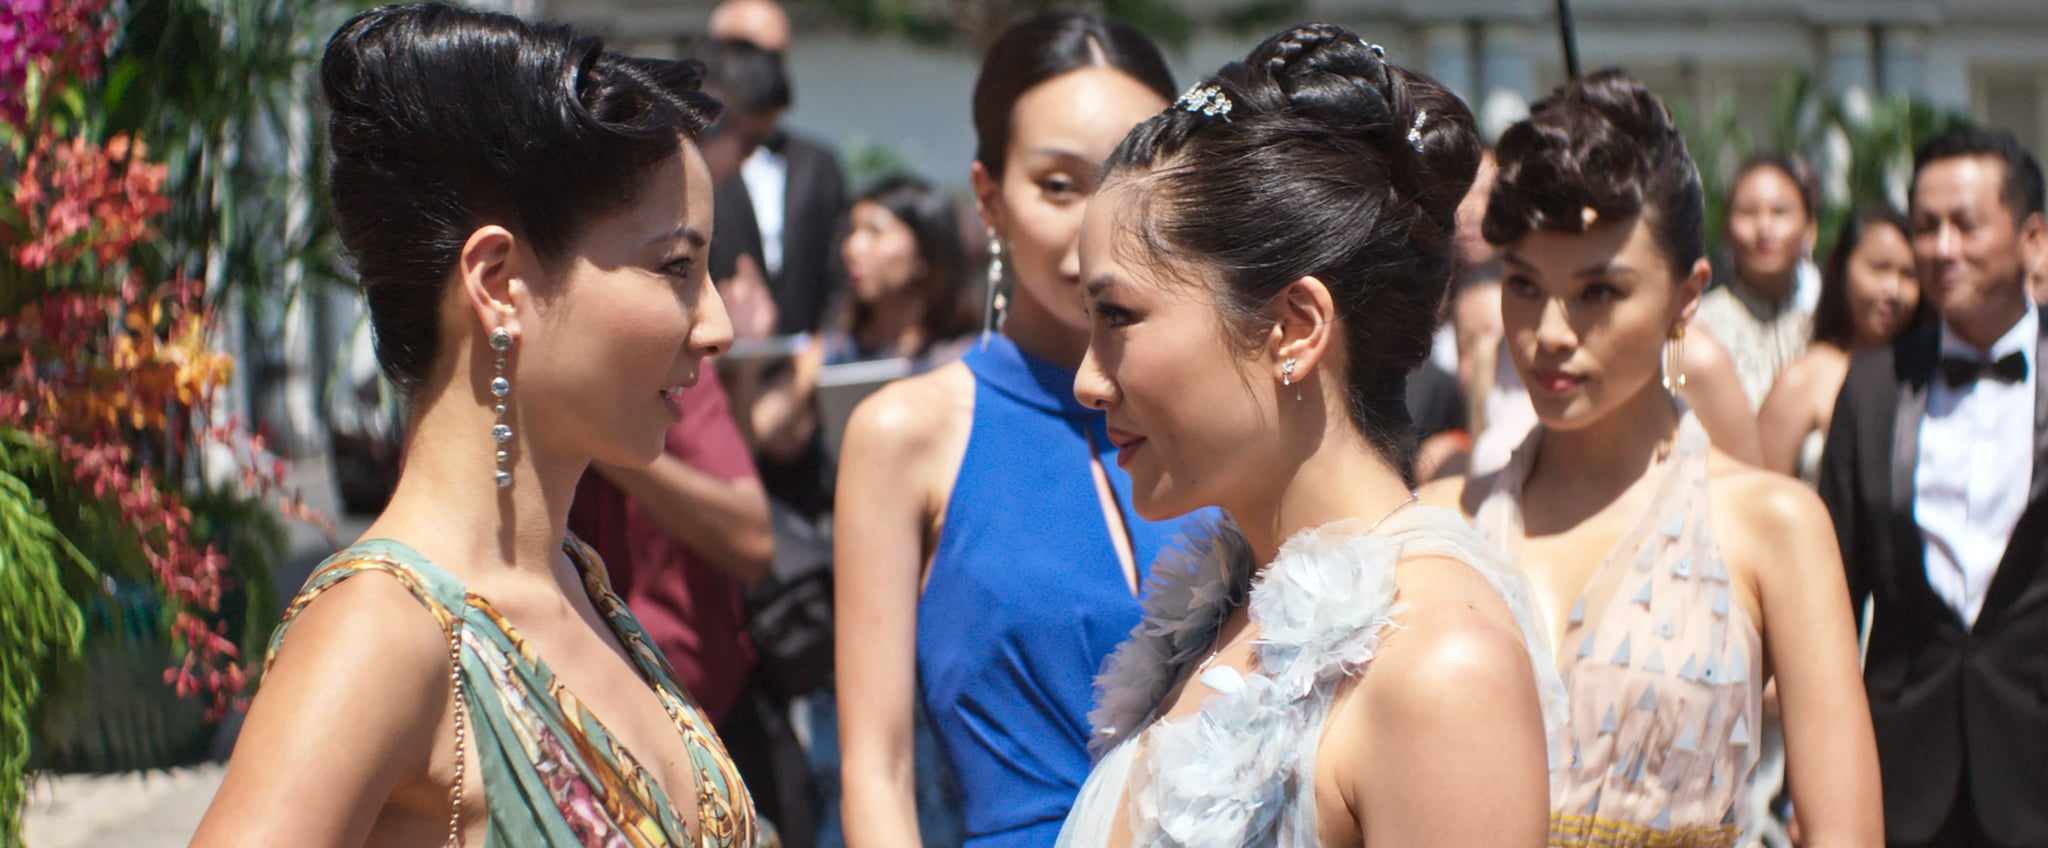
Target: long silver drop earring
501, 341
996, 304
1287, 376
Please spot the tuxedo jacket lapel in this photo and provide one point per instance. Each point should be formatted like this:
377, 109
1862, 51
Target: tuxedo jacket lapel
1916, 366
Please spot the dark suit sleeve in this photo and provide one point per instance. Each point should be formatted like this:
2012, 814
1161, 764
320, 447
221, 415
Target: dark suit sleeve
1838, 477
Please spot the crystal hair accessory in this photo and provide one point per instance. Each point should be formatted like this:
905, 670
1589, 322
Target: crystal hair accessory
1378, 52
1206, 100
1415, 129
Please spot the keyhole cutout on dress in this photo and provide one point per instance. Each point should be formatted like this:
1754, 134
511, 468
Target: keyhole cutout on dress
1113, 517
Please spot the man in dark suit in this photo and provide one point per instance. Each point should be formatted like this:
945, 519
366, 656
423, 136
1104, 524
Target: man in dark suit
782, 209
1936, 474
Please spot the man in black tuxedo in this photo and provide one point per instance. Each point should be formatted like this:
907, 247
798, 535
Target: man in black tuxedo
1936, 474
783, 207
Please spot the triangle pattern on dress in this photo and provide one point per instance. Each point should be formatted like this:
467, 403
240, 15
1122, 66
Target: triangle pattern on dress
1690, 671
1586, 647
1739, 735
1621, 651
1687, 741
1663, 819
1649, 700
1712, 670
1607, 723
1683, 567
1578, 613
1665, 628
1643, 594
1721, 603
1655, 664
1738, 668
1674, 527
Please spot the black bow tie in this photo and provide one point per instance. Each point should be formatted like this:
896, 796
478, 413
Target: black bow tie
1957, 371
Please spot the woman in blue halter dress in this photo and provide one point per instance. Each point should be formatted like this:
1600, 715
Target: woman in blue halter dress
987, 555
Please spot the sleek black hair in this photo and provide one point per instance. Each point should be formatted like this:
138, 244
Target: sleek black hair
1048, 45
1794, 168
748, 78
2022, 191
446, 119
1602, 142
1330, 162
935, 225
1832, 321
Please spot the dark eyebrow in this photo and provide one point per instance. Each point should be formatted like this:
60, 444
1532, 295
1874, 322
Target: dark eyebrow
1063, 153
1608, 268
686, 232
1095, 287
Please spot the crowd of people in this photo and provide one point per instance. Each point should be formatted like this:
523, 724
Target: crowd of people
1303, 471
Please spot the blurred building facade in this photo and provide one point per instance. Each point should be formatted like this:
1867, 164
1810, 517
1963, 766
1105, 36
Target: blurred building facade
1982, 58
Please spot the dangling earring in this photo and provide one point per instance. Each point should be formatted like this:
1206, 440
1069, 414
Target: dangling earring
997, 303
501, 341
1674, 361
1287, 376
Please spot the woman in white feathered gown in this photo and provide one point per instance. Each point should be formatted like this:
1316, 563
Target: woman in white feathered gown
1334, 665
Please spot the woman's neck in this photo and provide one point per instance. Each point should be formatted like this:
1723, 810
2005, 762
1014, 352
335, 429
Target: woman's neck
1775, 289
1613, 452
1037, 331
448, 506
895, 323
1332, 475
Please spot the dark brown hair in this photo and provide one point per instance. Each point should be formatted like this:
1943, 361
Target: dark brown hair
2021, 192
1312, 173
1832, 321
1045, 46
1606, 143
446, 119
935, 226
1793, 167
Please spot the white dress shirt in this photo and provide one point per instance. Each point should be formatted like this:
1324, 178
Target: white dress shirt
1975, 464
766, 174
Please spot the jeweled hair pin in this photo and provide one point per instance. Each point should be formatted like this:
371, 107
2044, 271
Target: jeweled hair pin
1206, 100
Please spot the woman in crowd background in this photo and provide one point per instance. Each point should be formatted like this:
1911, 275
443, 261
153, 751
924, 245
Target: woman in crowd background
988, 557
1868, 297
1762, 312
528, 214
1675, 580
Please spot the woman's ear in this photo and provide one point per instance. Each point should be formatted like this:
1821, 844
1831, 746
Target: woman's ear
987, 196
489, 271
1304, 328
1690, 289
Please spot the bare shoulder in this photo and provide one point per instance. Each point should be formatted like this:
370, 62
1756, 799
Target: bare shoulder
1822, 367
909, 417
1458, 652
368, 630
1462, 493
1770, 525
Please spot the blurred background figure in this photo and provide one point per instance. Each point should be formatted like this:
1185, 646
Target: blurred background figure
1936, 474
1868, 296
1757, 313
779, 216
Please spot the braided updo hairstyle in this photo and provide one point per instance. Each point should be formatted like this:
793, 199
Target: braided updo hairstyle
1603, 143
445, 120
1332, 163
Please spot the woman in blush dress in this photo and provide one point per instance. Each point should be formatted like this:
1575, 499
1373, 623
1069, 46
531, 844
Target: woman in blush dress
1674, 580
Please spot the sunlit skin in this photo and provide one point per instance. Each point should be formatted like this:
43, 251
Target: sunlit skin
1882, 294
905, 444
1586, 318
1447, 710
1769, 231
1967, 247
361, 685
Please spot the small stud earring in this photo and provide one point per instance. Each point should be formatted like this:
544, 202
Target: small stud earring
501, 341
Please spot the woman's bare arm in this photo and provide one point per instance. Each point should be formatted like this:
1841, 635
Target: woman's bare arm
1787, 416
884, 507
1450, 715
1810, 641
351, 711
1715, 394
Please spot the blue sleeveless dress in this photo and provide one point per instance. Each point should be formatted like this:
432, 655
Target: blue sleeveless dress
1025, 598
